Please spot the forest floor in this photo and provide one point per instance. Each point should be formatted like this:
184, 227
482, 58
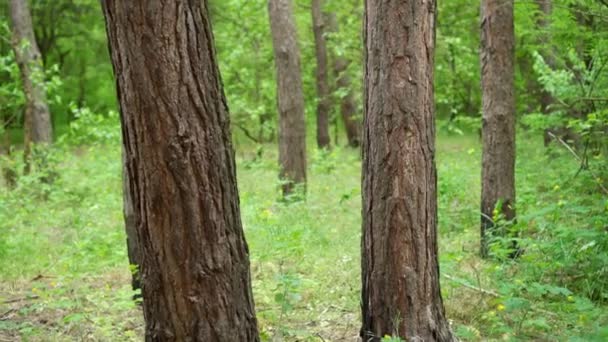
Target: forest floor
64, 273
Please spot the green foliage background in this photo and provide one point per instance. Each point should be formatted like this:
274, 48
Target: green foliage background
62, 250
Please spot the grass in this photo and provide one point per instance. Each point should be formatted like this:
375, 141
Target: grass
64, 272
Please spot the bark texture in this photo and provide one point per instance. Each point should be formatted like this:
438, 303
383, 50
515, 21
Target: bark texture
498, 125
290, 97
400, 269
131, 223
324, 104
38, 127
181, 172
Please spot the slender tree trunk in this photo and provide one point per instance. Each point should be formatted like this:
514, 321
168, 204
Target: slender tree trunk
543, 23
38, 127
8, 173
181, 172
401, 295
323, 105
498, 127
131, 223
348, 105
290, 98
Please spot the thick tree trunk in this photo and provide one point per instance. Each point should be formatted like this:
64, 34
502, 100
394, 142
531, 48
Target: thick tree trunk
182, 179
498, 127
290, 98
401, 295
348, 106
38, 127
323, 105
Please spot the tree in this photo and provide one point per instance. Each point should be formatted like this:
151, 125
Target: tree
401, 294
498, 122
290, 98
38, 126
181, 171
348, 106
544, 22
323, 105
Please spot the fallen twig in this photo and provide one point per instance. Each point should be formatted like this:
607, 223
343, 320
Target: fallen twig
21, 299
469, 286
578, 158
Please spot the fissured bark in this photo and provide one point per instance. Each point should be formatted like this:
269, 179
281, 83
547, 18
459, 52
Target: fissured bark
401, 295
181, 172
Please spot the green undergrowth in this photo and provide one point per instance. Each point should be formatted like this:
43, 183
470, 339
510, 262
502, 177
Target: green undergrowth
65, 276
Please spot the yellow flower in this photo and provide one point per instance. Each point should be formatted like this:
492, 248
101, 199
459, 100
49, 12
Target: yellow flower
500, 307
266, 213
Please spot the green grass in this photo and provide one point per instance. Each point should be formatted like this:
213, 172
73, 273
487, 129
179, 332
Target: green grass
65, 274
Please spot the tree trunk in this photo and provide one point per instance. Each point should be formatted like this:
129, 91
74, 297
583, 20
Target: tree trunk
498, 126
8, 173
290, 98
323, 105
543, 23
348, 106
38, 127
181, 172
400, 268
131, 223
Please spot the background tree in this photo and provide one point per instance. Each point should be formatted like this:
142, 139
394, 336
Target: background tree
319, 26
290, 99
38, 126
180, 163
401, 295
498, 128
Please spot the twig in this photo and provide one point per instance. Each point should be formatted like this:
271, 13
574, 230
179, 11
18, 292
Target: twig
15, 300
491, 293
469, 286
5, 315
246, 132
578, 158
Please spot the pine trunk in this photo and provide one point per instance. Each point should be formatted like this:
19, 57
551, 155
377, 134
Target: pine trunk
401, 294
498, 124
181, 172
290, 97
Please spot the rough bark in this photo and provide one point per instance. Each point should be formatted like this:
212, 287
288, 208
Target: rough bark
348, 105
400, 269
131, 223
323, 104
38, 127
290, 97
498, 102
181, 172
